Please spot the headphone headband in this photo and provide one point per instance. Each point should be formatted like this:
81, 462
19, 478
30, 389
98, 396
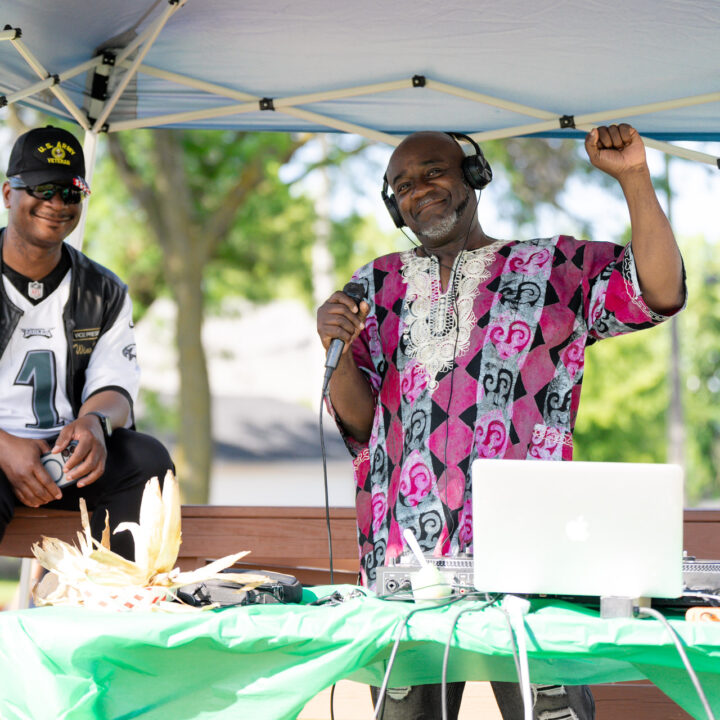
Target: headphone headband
461, 136
476, 170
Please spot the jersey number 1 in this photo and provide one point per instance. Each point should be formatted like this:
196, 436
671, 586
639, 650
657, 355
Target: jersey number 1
38, 371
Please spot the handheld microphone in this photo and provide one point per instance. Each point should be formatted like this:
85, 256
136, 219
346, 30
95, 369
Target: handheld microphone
356, 291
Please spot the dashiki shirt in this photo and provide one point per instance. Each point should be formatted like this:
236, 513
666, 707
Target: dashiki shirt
497, 360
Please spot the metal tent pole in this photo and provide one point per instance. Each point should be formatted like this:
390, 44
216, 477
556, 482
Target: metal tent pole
90, 142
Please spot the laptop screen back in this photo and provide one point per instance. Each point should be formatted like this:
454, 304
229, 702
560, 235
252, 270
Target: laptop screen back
578, 528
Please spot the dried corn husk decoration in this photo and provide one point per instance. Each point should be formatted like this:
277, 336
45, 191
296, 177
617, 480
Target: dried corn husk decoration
91, 575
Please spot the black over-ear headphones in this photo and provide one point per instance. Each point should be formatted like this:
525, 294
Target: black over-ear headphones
476, 170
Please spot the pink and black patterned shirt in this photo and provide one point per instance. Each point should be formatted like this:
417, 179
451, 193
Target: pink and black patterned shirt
497, 359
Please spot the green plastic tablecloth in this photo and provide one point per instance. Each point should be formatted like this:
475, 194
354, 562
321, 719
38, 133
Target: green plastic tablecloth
269, 660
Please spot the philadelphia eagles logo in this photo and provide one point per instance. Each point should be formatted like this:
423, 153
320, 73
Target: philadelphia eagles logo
129, 352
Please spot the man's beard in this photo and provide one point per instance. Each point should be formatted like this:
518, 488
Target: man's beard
443, 227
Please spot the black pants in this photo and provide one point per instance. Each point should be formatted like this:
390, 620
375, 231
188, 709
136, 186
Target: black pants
132, 459
551, 702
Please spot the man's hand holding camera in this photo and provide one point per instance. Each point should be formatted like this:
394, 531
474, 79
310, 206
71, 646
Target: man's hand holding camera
87, 462
20, 461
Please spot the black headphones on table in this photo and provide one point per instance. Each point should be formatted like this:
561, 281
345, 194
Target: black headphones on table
476, 169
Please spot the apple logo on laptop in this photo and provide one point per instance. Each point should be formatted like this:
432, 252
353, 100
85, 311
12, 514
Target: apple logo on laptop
578, 529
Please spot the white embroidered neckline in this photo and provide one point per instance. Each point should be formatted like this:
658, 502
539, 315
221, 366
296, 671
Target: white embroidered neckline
431, 331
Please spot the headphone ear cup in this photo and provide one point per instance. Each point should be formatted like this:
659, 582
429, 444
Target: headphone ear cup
477, 171
393, 209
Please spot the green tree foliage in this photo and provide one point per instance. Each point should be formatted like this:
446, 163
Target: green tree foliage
266, 253
262, 253
536, 172
356, 241
116, 236
213, 204
624, 399
700, 353
202, 215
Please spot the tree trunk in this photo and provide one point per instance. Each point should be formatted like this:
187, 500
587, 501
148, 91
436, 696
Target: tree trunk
193, 456
186, 255
188, 237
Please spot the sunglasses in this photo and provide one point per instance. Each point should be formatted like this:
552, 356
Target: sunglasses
46, 191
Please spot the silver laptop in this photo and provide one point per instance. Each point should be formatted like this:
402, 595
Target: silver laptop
578, 528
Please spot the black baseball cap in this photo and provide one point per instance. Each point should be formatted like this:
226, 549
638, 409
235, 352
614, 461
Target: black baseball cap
47, 154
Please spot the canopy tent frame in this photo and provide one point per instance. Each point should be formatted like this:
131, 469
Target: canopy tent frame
117, 67
247, 103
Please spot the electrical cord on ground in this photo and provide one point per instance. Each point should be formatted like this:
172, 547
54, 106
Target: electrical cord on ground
325, 484
683, 656
488, 601
396, 645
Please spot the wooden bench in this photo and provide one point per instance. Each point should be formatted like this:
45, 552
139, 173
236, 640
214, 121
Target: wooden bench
284, 539
294, 540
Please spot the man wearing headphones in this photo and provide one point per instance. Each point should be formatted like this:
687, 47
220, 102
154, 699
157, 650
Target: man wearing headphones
471, 347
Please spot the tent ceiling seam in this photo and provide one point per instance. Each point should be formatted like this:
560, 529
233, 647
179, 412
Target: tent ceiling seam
369, 133
125, 52
191, 82
184, 117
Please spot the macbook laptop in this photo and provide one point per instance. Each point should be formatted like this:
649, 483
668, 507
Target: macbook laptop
578, 528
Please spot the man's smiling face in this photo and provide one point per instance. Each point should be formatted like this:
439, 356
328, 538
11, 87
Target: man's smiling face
40, 222
425, 173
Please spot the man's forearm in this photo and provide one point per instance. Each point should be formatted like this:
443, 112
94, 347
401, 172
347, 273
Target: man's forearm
657, 257
111, 403
352, 398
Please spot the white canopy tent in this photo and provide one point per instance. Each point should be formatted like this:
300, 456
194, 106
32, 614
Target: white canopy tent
493, 69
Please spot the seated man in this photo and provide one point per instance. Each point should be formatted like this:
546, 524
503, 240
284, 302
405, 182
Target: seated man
68, 367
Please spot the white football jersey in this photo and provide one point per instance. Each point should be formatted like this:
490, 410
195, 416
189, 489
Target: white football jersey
34, 402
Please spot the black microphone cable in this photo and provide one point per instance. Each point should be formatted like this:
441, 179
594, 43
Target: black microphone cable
325, 486
356, 291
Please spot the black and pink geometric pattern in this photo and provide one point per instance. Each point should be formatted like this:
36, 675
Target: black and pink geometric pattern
509, 386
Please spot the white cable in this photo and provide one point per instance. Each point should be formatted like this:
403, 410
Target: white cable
683, 656
513, 644
448, 643
396, 645
517, 608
